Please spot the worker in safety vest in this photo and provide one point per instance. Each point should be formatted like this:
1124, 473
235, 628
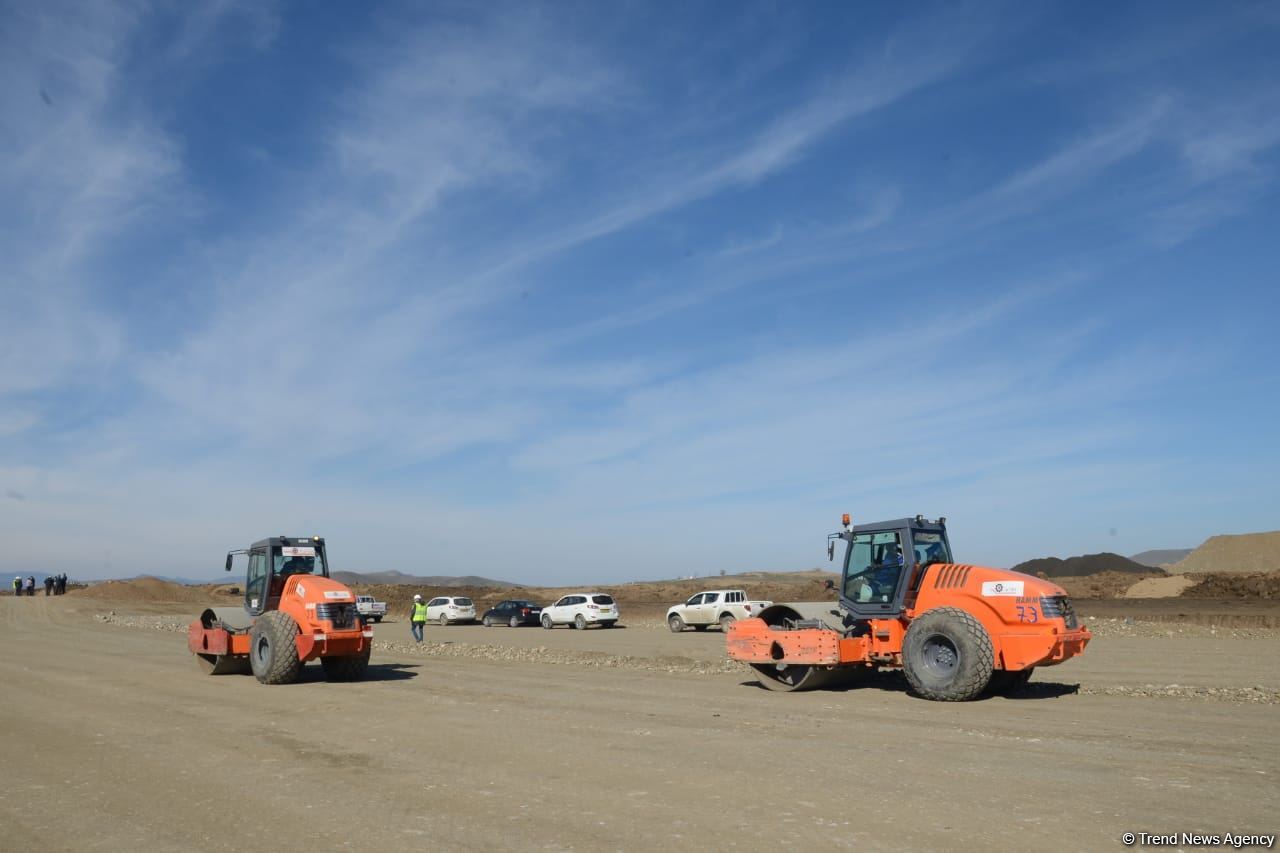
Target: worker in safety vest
417, 617
17, 587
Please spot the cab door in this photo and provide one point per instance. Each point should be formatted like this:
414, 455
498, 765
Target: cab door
707, 609
255, 584
693, 610
877, 563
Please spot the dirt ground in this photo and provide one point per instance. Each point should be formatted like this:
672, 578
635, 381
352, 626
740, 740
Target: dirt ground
635, 739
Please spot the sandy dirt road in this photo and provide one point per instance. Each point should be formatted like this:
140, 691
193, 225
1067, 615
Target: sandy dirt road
110, 739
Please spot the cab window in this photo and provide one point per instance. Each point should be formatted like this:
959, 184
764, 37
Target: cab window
930, 548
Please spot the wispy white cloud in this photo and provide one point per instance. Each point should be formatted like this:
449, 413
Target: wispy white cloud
78, 169
360, 333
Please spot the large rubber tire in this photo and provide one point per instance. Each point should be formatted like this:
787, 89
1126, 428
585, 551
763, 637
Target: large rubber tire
273, 652
515, 622
1003, 682
947, 656
580, 622
726, 619
347, 668
675, 623
546, 622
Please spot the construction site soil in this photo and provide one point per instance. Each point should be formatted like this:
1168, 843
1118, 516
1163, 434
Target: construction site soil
634, 739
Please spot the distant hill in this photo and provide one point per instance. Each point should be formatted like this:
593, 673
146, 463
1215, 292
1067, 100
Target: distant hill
1074, 567
1248, 552
420, 580
1160, 558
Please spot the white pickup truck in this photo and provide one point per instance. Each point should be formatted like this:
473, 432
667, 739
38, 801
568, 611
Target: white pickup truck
713, 607
369, 609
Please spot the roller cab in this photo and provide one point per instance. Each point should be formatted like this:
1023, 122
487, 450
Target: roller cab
292, 613
957, 630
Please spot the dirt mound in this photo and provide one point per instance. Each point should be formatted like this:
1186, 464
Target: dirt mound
1248, 552
145, 589
1159, 587
1104, 584
1260, 585
1075, 567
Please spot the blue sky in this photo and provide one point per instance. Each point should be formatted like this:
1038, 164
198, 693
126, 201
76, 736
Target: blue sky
584, 293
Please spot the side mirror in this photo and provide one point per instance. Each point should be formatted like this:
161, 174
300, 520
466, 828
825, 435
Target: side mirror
228, 562
831, 550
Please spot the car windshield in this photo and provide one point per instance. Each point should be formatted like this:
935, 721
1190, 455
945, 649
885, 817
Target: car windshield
462, 602
602, 599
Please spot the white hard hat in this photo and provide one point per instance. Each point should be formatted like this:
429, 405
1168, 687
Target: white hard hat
417, 598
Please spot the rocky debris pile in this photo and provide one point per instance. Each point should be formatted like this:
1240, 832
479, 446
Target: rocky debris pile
1130, 627
1259, 585
1249, 552
542, 654
177, 624
1089, 564
1256, 694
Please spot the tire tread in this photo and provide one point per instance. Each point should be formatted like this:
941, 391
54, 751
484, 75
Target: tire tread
970, 684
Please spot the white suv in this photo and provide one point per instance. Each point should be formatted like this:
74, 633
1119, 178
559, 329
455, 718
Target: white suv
448, 609
582, 609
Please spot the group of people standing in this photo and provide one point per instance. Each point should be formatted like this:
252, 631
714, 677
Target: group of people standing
53, 585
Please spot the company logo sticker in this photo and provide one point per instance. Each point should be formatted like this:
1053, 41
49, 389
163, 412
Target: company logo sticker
993, 588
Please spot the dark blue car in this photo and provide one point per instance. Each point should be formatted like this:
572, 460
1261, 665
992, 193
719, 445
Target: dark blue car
515, 613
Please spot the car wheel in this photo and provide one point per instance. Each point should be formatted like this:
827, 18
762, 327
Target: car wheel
725, 621
546, 622
487, 622
580, 622
675, 623
515, 622
443, 620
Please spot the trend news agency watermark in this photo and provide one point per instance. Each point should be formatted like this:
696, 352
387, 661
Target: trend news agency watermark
1194, 839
